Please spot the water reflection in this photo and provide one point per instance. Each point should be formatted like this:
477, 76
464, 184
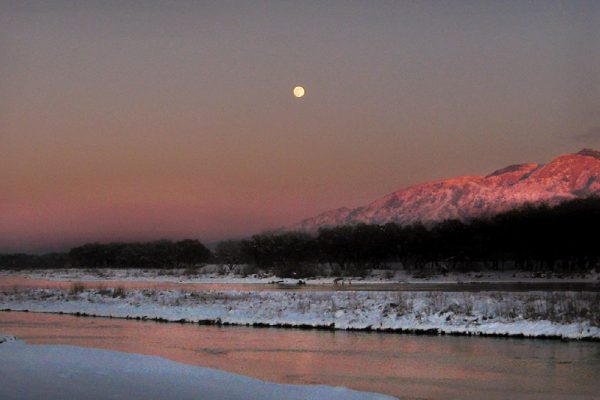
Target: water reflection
430, 367
21, 282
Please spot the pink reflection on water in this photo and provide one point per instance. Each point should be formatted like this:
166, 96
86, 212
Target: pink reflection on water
402, 365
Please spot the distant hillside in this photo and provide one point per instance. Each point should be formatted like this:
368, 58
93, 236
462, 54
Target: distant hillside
566, 177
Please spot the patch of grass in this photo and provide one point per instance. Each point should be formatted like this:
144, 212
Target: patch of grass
102, 290
120, 292
76, 288
389, 274
422, 274
191, 270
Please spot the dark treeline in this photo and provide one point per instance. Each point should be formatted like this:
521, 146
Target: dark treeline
157, 254
563, 238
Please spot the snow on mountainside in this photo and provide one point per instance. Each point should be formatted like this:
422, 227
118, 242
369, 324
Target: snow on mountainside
566, 177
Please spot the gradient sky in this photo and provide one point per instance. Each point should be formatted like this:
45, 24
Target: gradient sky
145, 120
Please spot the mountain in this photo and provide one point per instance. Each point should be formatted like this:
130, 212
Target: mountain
566, 177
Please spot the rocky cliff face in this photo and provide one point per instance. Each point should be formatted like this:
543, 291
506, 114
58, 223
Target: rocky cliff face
566, 177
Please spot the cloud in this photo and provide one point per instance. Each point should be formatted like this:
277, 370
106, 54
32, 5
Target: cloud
591, 135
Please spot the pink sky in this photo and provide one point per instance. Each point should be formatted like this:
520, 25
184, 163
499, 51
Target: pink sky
125, 121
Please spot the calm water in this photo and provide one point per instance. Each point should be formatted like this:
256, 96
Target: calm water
407, 366
14, 282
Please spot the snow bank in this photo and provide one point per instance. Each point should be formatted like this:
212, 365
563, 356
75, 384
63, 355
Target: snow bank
6, 338
569, 315
69, 372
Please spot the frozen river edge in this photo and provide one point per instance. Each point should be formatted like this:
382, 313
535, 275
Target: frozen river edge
60, 372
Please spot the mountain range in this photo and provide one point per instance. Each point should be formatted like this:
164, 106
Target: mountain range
567, 177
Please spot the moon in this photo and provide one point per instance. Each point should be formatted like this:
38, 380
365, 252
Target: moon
299, 91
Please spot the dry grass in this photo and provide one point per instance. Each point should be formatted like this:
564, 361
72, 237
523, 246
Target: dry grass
120, 292
76, 288
191, 271
557, 307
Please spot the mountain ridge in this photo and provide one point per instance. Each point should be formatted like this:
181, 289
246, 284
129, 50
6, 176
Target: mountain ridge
566, 177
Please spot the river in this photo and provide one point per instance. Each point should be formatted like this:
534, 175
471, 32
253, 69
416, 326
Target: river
407, 366
23, 282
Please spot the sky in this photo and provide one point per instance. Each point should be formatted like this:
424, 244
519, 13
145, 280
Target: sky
141, 120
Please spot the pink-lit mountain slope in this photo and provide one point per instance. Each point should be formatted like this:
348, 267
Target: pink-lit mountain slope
566, 177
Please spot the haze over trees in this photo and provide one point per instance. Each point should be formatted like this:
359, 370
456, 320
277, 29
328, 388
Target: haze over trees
563, 238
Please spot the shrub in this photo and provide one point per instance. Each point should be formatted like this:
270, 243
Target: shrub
76, 288
119, 291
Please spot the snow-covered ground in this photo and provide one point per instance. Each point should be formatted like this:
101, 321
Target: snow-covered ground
208, 274
6, 338
69, 372
572, 315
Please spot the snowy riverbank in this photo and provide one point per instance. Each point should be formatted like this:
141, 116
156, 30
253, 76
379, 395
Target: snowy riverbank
568, 315
6, 338
69, 372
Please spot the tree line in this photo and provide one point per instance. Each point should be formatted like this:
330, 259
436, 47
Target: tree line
532, 238
155, 254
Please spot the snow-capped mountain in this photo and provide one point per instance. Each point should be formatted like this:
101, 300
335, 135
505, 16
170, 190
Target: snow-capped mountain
566, 177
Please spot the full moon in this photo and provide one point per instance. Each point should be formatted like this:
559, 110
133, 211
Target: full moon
298, 91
